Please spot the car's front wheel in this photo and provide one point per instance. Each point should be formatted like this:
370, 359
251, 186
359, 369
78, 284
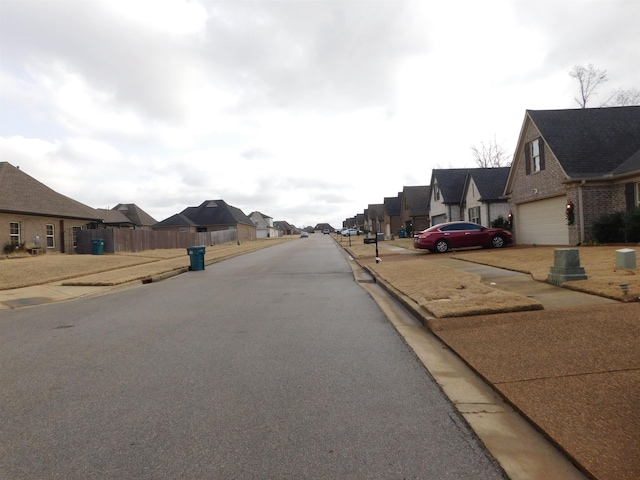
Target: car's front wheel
497, 241
442, 246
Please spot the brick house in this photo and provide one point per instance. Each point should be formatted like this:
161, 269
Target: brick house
285, 227
482, 195
445, 201
414, 210
264, 225
210, 216
391, 215
588, 158
374, 218
38, 218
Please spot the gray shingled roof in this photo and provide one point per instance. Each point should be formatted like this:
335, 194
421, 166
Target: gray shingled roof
135, 214
23, 194
216, 212
590, 142
113, 216
283, 225
490, 182
417, 200
375, 211
450, 183
177, 220
393, 205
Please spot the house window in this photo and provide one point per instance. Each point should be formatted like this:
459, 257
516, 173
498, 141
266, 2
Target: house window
14, 233
436, 192
50, 235
75, 231
535, 156
474, 214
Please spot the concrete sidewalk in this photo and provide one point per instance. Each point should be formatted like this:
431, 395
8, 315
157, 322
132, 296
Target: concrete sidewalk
572, 369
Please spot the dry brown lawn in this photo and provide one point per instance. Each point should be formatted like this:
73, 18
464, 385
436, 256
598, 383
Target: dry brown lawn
446, 292
25, 270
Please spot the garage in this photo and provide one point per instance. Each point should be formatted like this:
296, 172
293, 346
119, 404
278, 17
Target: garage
542, 222
438, 219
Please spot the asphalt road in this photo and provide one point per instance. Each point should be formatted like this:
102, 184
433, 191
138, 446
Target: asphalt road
275, 364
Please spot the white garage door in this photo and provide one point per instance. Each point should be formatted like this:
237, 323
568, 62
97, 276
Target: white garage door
438, 219
542, 222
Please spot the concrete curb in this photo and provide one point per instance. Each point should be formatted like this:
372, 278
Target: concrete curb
423, 316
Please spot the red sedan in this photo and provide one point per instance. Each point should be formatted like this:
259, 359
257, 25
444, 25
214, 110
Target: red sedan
445, 236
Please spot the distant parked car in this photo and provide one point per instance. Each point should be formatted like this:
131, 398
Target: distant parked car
445, 236
304, 234
326, 231
350, 232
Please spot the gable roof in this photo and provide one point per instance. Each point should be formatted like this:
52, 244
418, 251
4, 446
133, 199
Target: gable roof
176, 220
322, 226
375, 211
22, 193
489, 181
416, 200
216, 212
283, 225
450, 182
590, 142
256, 212
393, 205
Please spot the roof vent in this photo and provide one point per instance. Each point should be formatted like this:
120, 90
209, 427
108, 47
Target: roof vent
212, 204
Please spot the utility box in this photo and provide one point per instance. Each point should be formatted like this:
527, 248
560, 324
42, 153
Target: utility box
97, 246
626, 258
196, 257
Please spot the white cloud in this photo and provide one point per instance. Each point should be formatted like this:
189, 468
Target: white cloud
305, 110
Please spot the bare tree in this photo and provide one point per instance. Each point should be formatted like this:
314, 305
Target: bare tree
623, 98
589, 78
490, 155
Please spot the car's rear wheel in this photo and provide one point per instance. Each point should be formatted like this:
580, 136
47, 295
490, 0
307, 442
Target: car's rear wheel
442, 246
497, 241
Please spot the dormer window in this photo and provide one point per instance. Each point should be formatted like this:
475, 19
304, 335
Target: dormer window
534, 156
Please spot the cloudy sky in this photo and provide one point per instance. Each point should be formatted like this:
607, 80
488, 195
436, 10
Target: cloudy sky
306, 110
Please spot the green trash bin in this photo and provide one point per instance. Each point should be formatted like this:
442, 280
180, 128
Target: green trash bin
402, 233
196, 256
97, 246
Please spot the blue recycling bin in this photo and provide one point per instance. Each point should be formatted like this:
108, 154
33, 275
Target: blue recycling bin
97, 246
402, 233
196, 257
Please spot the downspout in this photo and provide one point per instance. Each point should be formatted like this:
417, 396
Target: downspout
488, 214
581, 211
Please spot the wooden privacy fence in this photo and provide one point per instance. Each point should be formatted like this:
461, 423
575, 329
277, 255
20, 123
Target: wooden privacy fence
129, 240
